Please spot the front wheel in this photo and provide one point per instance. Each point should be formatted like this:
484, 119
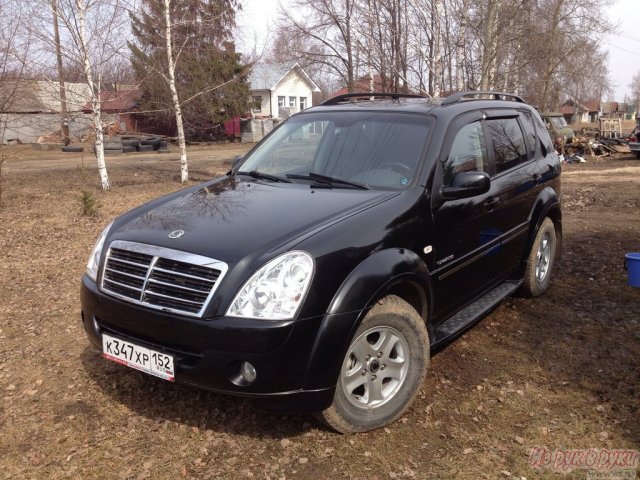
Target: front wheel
383, 369
537, 276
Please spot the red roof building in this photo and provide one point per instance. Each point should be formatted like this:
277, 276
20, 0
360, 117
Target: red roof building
123, 104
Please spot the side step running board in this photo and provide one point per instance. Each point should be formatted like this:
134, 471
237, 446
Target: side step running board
474, 312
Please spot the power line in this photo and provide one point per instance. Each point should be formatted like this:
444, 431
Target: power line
623, 49
630, 37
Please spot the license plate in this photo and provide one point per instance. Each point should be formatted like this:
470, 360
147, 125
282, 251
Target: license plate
141, 358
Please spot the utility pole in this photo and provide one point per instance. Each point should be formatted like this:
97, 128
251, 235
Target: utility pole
64, 124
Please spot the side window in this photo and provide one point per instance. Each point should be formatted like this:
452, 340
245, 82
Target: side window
530, 131
508, 143
468, 152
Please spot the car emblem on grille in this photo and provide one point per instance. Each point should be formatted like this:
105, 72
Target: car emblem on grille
176, 234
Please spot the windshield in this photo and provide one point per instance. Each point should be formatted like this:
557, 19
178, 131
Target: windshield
558, 122
370, 148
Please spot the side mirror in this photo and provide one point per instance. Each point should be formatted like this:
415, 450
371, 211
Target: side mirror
467, 184
237, 160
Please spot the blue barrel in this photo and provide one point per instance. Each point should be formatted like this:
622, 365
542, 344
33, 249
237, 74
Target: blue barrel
633, 269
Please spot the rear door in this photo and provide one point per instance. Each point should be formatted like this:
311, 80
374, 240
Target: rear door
515, 181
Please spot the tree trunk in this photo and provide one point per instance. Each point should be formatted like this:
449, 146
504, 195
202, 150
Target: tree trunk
460, 41
184, 166
64, 123
95, 95
550, 67
489, 45
437, 58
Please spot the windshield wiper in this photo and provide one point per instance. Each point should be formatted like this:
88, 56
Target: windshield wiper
264, 176
326, 180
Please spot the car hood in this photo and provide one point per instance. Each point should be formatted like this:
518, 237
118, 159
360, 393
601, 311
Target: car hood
229, 218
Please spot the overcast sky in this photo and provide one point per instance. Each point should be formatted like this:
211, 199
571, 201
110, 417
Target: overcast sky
258, 16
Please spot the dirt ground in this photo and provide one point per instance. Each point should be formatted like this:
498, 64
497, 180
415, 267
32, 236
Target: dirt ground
561, 371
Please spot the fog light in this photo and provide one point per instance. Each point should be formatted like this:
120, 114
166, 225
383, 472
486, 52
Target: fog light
248, 372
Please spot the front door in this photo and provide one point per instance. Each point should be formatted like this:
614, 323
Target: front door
466, 251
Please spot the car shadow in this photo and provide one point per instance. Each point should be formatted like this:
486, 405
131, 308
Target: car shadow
162, 401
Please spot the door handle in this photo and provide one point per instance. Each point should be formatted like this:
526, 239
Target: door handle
491, 203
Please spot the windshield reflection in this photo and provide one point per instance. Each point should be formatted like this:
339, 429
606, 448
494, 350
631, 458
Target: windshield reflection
379, 150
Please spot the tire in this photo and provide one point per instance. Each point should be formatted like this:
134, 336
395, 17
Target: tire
637, 155
130, 143
391, 319
155, 141
112, 146
541, 260
72, 149
128, 149
145, 148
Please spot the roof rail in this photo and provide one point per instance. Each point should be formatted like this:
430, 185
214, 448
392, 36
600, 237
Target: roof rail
340, 98
459, 96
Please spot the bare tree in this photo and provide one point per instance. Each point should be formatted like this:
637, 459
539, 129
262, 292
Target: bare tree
15, 45
432, 46
635, 90
323, 35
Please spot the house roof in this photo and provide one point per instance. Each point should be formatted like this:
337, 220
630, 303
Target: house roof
571, 109
363, 84
42, 96
568, 107
267, 76
592, 105
609, 107
120, 101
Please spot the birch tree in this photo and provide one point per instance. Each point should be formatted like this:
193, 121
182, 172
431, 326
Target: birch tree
94, 87
91, 38
171, 80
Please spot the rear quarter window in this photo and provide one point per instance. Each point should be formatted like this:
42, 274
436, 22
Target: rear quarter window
529, 130
543, 133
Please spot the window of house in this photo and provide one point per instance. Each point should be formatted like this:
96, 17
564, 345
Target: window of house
281, 101
468, 152
303, 103
292, 101
508, 143
257, 104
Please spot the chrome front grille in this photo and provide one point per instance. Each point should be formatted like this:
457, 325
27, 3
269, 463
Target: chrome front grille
161, 278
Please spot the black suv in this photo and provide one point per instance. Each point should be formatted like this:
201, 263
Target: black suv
320, 273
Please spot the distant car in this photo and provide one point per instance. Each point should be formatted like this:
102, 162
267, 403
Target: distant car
634, 139
557, 127
320, 273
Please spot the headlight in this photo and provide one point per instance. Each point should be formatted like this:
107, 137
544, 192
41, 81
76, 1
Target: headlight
276, 291
94, 259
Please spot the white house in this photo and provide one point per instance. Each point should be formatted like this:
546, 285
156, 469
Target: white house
280, 90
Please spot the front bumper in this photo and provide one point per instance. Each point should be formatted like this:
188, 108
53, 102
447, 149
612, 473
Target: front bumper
208, 353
